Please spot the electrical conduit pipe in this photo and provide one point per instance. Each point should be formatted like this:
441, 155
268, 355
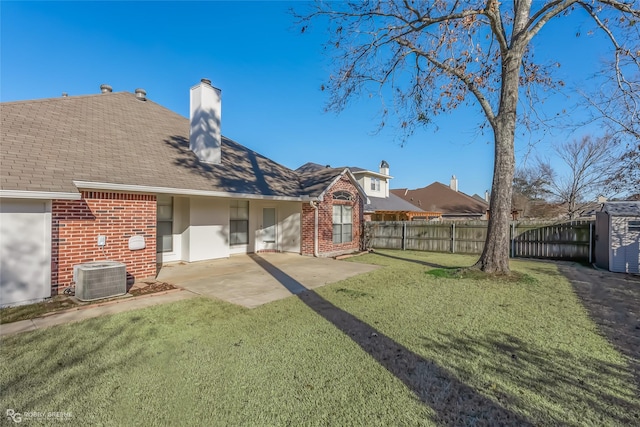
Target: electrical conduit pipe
315, 228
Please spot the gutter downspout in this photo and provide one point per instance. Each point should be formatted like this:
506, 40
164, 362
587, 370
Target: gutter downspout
315, 227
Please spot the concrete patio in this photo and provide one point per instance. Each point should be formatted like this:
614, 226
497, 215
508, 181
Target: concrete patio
256, 279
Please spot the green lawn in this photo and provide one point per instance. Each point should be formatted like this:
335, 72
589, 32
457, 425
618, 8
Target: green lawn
396, 346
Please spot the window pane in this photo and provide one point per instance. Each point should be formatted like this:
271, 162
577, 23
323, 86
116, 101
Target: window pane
243, 213
165, 212
164, 228
167, 243
337, 214
238, 232
337, 233
239, 209
164, 237
346, 214
346, 233
164, 199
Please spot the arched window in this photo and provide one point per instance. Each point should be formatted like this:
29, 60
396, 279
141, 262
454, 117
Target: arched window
342, 195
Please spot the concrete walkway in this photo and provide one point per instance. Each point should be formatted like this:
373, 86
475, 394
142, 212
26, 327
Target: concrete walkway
253, 280
94, 310
246, 280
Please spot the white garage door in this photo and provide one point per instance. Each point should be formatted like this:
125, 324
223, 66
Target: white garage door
25, 251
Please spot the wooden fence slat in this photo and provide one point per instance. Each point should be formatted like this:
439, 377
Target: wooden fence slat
531, 239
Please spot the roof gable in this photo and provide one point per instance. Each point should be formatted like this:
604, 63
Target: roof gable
316, 183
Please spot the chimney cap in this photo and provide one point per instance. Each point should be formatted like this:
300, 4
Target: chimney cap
105, 88
384, 164
206, 81
141, 94
65, 94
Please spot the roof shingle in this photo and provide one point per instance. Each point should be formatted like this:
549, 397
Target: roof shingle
115, 138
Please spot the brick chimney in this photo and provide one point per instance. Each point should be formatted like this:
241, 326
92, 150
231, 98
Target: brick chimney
205, 138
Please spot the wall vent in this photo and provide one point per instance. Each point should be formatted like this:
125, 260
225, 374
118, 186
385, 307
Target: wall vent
100, 279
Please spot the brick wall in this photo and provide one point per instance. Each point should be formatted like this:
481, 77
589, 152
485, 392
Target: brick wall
76, 225
326, 247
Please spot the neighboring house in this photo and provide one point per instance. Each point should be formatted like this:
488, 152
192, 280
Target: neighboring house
617, 246
117, 165
451, 203
382, 205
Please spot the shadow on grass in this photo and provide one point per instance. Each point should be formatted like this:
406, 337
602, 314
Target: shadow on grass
454, 402
62, 367
594, 388
613, 302
416, 261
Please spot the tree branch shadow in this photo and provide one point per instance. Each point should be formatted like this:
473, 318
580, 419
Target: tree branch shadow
613, 302
415, 261
454, 402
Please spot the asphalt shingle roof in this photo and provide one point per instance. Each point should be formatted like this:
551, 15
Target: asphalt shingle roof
622, 208
116, 138
392, 203
440, 198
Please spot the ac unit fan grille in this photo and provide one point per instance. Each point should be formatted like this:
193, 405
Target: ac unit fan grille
100, 279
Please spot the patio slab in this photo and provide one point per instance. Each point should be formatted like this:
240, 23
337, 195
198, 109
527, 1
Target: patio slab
256, 279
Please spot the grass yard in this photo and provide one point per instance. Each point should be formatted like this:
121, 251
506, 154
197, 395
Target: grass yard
397, 346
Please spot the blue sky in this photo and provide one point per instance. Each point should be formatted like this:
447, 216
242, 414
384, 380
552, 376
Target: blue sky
270, 76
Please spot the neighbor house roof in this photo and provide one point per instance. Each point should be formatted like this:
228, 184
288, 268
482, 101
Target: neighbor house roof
391, 203
622, 208
441, 198
117, 139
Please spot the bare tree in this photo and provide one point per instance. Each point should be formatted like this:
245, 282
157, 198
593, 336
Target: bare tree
588, 163
530, 190
432, 56
618, 102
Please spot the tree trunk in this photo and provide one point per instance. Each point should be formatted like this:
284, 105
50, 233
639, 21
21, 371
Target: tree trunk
495, 256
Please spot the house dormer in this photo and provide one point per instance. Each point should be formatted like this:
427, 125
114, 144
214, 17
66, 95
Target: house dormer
375, 184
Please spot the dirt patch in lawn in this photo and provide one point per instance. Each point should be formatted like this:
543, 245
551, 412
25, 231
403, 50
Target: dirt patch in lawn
66, 302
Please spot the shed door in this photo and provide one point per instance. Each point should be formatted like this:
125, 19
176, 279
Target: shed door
632, 250
25, 251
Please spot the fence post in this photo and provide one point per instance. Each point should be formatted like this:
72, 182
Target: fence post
453, 238
404, 235
513, 238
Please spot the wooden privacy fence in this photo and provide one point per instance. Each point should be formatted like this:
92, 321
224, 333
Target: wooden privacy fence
532, 239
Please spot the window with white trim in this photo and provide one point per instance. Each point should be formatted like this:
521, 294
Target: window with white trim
239, 222
342, 223
342, 195
375, 184
164, 227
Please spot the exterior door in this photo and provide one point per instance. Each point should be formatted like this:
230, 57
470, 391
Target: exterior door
269, 229
25, 251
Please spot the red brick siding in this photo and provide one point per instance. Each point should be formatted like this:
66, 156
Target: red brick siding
326, 247
76, 225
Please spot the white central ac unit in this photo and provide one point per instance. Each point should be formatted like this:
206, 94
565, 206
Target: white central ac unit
100, 279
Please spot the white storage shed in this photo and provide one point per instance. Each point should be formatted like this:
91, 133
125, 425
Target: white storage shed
618, 237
